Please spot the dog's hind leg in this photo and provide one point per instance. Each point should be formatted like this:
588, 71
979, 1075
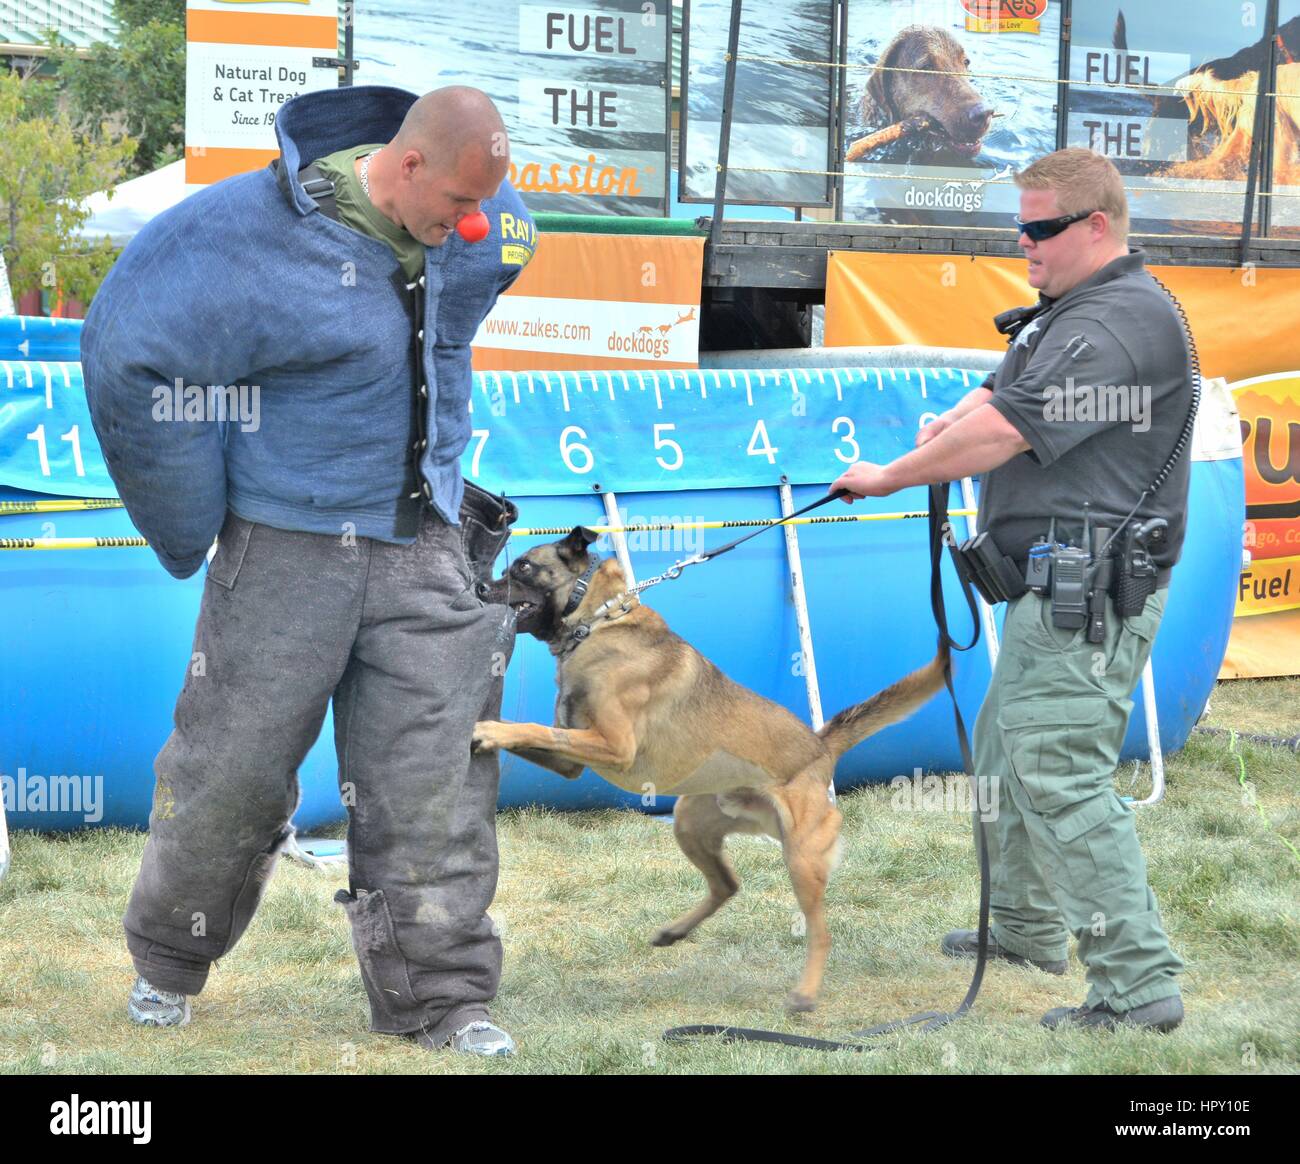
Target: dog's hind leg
810, 842
700, 827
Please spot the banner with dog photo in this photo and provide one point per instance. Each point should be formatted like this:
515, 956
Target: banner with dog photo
945, 99
1166, 89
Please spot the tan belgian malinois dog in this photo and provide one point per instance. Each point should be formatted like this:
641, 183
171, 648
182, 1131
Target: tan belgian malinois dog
642, 708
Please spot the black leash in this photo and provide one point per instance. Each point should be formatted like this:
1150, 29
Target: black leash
675, 570
709, 555
940, 535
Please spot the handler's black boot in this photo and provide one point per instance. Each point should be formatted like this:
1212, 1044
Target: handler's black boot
965, 944
1162, 1015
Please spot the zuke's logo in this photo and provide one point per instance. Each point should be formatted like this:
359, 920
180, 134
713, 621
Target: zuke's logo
1005, 9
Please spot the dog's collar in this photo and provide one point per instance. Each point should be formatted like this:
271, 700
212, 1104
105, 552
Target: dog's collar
580, 586
609, 611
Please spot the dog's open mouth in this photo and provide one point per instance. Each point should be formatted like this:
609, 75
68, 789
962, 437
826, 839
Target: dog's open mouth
966, 147
527, 615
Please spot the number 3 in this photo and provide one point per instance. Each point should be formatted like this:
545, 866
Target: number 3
847, 439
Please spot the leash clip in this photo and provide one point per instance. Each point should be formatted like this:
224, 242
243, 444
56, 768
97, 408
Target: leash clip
676, 568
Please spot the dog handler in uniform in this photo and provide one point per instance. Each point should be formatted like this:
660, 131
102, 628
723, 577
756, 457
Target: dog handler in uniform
349, 548
1051, 431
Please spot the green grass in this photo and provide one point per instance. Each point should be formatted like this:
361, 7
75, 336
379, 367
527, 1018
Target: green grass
584, 992
1260, 706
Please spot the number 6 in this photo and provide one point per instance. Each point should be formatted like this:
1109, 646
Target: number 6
567, 448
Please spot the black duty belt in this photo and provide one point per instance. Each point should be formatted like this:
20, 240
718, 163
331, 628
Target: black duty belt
1162, 575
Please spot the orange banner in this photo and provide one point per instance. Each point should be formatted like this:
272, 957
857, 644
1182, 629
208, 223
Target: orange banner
598, 301
207, 164
1244, 322
268, 28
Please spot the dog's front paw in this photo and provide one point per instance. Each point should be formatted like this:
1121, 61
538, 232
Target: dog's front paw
486, 737
666, 936
797, 1003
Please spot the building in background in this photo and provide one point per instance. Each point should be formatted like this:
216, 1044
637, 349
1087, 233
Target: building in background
78, 23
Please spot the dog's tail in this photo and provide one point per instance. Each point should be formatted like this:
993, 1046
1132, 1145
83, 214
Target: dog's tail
854, 724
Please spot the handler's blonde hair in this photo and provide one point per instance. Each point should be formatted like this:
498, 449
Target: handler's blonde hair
1082, 180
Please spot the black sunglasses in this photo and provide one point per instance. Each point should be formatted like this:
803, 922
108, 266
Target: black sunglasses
1044, 228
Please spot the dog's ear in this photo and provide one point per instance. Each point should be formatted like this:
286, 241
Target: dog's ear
574, 547
877, 112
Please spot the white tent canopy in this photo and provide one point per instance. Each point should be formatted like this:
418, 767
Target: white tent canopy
134, 203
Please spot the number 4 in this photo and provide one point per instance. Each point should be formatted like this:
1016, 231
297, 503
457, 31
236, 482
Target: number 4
762, 450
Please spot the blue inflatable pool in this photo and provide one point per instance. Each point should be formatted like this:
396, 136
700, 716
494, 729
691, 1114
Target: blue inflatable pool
97, 640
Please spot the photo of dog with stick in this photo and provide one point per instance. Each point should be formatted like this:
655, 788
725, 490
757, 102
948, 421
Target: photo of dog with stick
919, 96
938, 111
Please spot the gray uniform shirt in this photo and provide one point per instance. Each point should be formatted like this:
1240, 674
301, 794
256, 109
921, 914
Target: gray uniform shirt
1099, 385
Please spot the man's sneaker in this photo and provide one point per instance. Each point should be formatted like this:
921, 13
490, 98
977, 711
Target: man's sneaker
482, 1038
965, 944
151, 1007
1162, 1015
477, 1038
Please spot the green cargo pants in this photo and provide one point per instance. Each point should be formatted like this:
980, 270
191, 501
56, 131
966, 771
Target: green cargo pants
1063, 852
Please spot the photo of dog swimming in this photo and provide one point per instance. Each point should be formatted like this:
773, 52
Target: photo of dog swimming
1219, 98
943, 112
1176, 109
932, 111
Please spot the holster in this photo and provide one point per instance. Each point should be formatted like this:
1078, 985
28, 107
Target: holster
989, 570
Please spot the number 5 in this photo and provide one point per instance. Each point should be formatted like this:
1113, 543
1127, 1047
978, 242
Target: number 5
662, 442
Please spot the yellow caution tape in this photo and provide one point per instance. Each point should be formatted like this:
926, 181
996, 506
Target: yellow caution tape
63, 505
97, 543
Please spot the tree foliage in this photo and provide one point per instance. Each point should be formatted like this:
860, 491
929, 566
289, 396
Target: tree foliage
136, 86
132, 14
50, 168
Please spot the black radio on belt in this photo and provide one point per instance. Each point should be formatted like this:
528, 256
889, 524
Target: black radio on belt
1077, 579
1135, 578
